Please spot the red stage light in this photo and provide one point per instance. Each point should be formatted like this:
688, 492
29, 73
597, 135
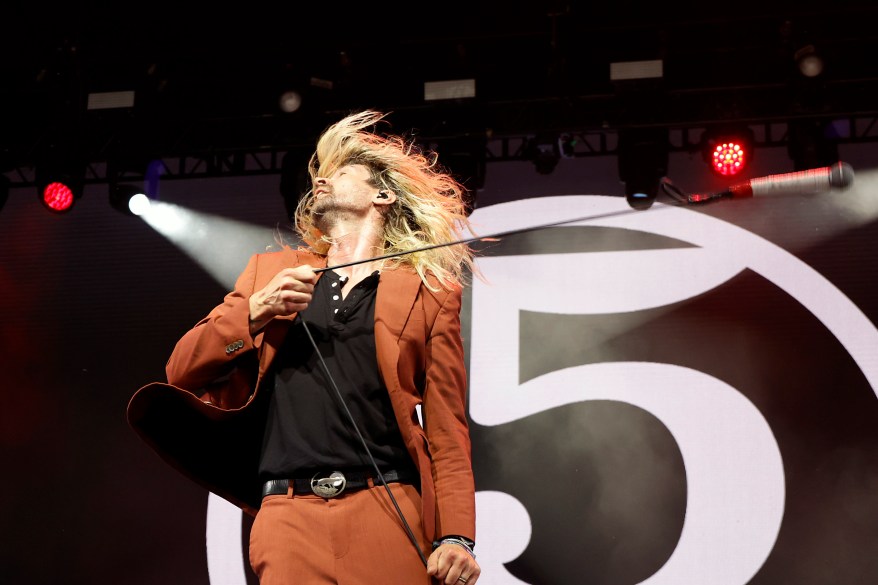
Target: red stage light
729, 158
58, 196
728, 150
60, 176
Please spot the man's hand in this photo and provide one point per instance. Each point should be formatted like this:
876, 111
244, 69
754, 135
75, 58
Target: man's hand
287, 293
454, 564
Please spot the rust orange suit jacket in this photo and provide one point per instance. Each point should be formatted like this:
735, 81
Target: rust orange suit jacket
207, 421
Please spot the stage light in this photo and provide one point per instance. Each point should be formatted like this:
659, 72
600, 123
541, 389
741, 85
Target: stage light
58, 196
729, 158
132, 179
636, 70
809, 61
129, 199
454, 89
643, 161
59, 183
727, 151
290, 101
59, 192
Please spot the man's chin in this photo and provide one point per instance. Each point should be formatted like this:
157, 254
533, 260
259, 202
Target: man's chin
324, 218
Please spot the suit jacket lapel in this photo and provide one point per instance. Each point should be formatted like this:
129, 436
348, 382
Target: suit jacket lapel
397, 291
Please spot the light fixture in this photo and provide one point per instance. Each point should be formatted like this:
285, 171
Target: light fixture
642, 162
110, 100
132, 178
453, 89
290, 101
727, 150
59, 183
129, 199
631, 70
809, 61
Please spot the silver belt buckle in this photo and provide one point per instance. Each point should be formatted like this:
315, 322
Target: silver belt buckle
328, 487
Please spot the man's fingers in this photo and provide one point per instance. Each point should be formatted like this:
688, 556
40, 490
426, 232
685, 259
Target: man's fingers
451, 563
289, 291
304, 273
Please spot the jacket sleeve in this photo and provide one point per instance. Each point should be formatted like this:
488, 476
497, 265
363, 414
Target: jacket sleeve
445, 422
220, 343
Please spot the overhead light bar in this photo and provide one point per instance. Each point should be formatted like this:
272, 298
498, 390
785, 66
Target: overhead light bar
449, 90
627, 70
109, 100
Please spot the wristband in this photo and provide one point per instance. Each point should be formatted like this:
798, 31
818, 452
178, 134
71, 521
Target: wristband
457, 541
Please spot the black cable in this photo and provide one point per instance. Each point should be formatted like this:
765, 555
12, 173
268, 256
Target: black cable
674, 192
489, 237
363, 441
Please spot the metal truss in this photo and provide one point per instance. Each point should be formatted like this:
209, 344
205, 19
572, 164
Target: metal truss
207, 162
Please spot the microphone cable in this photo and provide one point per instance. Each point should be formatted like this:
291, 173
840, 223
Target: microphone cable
681, 197
356, 428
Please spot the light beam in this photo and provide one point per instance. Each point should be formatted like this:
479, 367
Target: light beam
218, 244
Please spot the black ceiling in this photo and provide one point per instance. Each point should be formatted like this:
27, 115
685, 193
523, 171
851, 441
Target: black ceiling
207, 77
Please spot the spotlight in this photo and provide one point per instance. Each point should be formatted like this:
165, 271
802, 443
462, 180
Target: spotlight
132, 179
58, 196
290, 101
729, 158
129, 199
727, 151
643, 161
809, 61
59, 189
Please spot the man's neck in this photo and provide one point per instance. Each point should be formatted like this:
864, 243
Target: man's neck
355, 243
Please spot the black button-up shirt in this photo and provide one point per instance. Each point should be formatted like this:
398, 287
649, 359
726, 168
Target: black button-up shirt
307, 428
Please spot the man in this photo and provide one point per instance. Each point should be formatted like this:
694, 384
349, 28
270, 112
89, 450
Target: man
300, 397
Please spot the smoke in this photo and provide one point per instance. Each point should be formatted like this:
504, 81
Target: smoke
220, 245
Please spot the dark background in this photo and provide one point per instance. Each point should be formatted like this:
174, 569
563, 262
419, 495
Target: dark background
208, 78
93, 300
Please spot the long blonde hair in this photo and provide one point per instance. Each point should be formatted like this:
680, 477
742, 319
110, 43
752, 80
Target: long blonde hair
429, 208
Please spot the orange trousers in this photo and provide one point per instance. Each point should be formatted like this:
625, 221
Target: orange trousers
356, 538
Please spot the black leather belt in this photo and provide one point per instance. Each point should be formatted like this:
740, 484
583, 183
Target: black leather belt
331, 484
